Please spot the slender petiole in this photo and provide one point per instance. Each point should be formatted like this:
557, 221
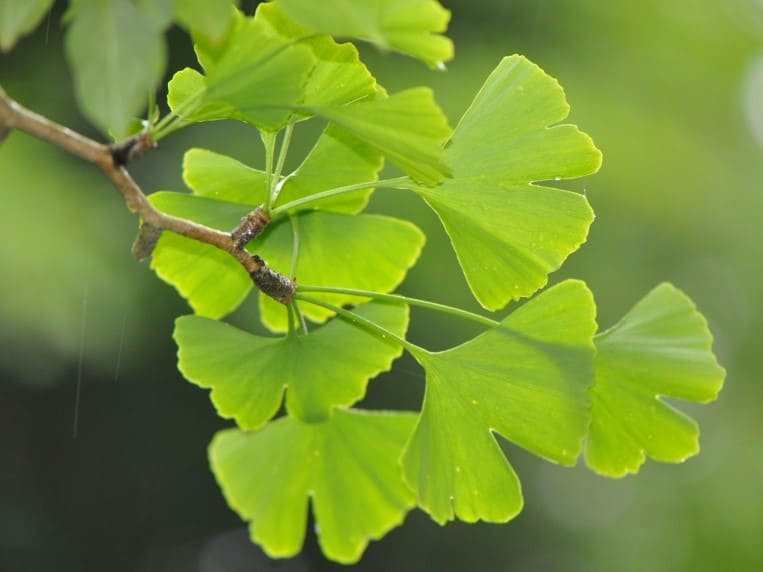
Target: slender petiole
365, 323
386, 183
485, 321
276, 190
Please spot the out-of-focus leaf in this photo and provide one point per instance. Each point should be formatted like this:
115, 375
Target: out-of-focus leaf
661, 348
509, 233
527, 379
412, 27
408, 128
210, 18
348, 466
248, 374
19, 17
368, 252
118, 56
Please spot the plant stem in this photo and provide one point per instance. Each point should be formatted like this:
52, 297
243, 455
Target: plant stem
387, 183
15, 116
485, 321
269, 140
280, 163
364, 322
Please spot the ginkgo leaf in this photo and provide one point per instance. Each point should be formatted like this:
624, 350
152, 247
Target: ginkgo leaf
527, 380
412, 27
211, 280
257, 76
336, 160
19, 17
186, 97
661, 348
248, 374
347, 467
408, 127
368, 252
221, 177
509, 233
118, 56
338, 76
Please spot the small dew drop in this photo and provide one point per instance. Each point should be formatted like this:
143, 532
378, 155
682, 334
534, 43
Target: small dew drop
557, 178
317, 528
475, 402
458, 469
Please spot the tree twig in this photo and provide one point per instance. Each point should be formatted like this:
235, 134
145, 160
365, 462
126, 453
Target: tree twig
111, 159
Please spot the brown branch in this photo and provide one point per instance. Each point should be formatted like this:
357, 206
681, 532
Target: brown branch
111, 159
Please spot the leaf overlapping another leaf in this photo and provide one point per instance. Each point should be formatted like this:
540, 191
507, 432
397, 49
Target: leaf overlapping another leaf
661, 348
509, 233
528, 380
412, 27
248, 374
347, 465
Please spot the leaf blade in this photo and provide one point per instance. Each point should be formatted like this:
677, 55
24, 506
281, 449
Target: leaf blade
535, 396
508, 232
347, 464
662, 347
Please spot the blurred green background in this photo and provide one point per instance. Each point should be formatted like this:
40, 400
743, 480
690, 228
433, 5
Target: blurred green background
672, 92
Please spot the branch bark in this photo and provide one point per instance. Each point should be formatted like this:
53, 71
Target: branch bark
112, 160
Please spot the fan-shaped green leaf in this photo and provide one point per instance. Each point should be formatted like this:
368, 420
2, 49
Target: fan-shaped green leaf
210, 280
19, 17
369, 252
248, 374
661, 348
256, 76
118, 56
348, 466
526, 379
509, 233
217, 176
408, 128
412, 27
338, 76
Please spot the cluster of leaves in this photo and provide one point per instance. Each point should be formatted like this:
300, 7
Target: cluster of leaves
544, 378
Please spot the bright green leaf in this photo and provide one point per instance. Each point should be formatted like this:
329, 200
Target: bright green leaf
509, 233
186, 97
349, 467
336, 160
248, 374
407, 127
412, 27
369, 252
220, 177
118, 56
338, 76
253, 75
259, 74
19, 17
661, 348
211, 280
527, 380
